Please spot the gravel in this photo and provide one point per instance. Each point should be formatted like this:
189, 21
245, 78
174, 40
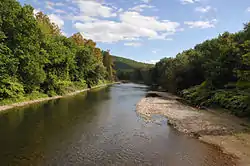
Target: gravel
210, 126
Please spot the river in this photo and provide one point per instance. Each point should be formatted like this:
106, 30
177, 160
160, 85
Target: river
99, 127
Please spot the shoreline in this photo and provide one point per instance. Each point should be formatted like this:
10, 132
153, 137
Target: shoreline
25, 103
220, 129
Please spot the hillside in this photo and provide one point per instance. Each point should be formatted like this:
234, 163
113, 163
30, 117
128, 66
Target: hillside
124, 64
127, 69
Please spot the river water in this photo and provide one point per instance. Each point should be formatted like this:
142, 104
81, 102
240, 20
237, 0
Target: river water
99, 127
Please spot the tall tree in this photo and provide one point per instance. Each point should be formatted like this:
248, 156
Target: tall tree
108, 63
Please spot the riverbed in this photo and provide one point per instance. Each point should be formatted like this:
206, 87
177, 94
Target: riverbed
98, 127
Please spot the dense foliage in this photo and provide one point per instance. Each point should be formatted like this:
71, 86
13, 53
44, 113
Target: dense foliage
128, 69
35, 58
215, 72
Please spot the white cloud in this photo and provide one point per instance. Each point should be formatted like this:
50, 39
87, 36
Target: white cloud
163, 36
133, 44
59, 11
110, 31
140, 8
147, 22
201, 24
51, 4
35, 11
155, 51
64, 34
188, 1
82, 18
73, 10
131, 26
203, 9
248, 9
151, 61
120, 10
146, 1
56, 19
59, 4
91, 10
95, 9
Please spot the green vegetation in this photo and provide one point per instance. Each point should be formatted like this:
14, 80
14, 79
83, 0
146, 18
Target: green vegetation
128, 69
213, 73
36, 60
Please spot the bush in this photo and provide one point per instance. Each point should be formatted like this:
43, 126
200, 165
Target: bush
236, 101
61, 87
11, 88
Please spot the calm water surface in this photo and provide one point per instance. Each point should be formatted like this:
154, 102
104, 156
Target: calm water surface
99, 127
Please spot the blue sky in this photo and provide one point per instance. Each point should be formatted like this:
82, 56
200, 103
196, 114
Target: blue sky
146, 30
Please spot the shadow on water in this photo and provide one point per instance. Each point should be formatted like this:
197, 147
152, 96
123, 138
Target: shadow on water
99, 127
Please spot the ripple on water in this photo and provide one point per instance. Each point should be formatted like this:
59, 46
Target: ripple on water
101, 128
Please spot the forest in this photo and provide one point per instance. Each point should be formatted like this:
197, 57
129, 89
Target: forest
213, 73
36, 60
127, 69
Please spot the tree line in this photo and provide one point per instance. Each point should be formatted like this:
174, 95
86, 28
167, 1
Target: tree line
127, 69
35, 58
213, 73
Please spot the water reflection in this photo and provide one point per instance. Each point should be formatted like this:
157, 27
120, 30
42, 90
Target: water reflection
99, 127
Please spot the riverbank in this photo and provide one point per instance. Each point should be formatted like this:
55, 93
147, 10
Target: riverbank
229, 133
21, 104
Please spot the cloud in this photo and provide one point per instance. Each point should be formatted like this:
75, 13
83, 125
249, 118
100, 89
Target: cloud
163, 36
248, 9
95, 9
188, 1
131, 26
72, 9
146, 1
133, 44
50, 5
147, 22
120, 10
155, 51
111, 31
201, 24
59, 11
203, 9
151, 61
35, 11
83, 18
64, 34
140, 8
57, 20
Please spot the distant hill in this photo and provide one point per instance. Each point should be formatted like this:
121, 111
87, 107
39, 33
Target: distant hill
127, 69
124, 64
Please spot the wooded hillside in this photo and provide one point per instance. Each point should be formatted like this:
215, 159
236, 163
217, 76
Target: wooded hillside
213, 73
128, 69
37, 60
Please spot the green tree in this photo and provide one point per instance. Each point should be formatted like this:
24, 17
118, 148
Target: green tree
108, 63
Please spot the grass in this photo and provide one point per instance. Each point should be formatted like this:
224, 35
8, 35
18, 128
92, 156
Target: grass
33, 96
38, 95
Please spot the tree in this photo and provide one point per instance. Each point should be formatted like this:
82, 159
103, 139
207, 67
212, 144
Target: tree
46, 26
216, 71
36, 57
108, 63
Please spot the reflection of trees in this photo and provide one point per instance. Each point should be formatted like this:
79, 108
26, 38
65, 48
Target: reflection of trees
20, 128
30, 134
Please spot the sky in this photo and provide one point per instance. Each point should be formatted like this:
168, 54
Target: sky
146, 30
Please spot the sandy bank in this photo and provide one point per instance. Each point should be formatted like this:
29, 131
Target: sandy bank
6, 107
230, 133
